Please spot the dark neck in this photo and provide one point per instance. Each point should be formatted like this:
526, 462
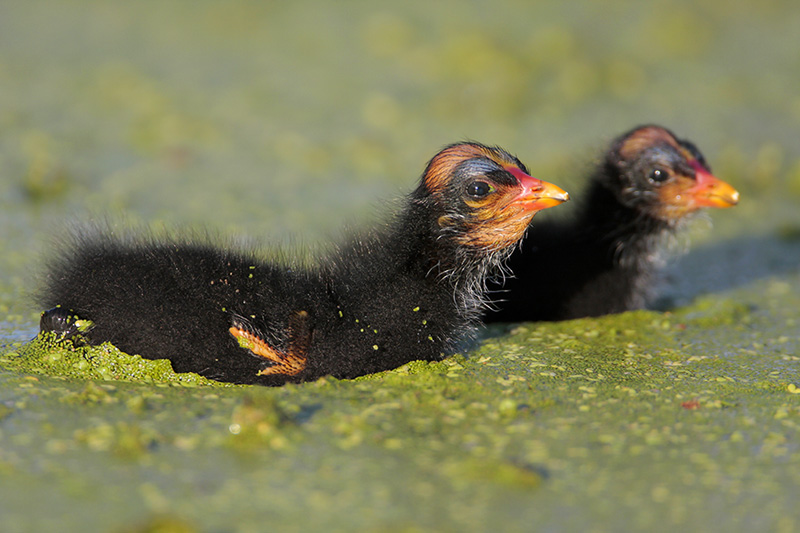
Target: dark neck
625, 231
409, 254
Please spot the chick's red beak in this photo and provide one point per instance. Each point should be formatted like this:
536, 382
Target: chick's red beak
536, 194
710, 191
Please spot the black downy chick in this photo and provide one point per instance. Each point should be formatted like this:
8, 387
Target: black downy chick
605, 258
408, 290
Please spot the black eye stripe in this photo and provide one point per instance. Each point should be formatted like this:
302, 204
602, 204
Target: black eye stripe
502, 176
483, 166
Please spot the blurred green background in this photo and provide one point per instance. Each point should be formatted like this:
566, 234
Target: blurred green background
276, 119
287, 120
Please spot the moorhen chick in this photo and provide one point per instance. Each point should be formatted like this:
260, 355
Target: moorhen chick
604, 259
408, 290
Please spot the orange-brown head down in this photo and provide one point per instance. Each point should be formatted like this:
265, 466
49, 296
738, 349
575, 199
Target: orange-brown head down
663, 176
484, 195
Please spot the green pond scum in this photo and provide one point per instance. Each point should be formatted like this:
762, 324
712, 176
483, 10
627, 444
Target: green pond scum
46, 354
278, 121
561, 422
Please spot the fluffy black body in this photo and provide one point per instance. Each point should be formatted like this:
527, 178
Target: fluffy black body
408, 290
605, 258
178, 300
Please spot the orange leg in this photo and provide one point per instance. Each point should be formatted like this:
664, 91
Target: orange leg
289, 363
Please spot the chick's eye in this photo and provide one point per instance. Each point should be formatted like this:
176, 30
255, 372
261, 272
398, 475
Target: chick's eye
658, 175
479, 189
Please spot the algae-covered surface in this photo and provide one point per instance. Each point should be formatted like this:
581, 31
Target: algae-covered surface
275, 121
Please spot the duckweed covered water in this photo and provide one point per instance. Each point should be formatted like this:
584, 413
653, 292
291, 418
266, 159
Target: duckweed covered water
563, 425
278, 120
47, 355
